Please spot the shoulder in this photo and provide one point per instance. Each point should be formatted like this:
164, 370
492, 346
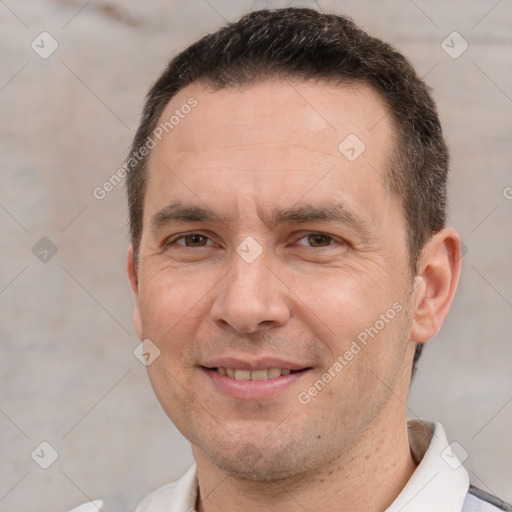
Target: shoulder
481, 501
178, 496
159, 499
91, 506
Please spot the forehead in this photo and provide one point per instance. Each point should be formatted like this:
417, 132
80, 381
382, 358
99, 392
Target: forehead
272, 140
276, 110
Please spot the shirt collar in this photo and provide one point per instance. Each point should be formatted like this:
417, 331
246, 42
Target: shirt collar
440, 482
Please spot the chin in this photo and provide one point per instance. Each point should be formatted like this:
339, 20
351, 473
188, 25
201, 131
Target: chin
260, 471
262, 463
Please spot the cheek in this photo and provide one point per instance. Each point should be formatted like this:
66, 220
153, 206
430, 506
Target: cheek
169, 299
360, 324
171, 308
343, 302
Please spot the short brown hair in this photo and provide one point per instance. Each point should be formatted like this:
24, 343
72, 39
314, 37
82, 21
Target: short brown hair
304, 44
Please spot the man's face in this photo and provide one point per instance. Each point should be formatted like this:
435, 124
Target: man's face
273, 278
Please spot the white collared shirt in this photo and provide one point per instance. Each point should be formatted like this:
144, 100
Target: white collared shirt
440, 483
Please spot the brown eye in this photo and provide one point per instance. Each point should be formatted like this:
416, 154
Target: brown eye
319, 240
193, 240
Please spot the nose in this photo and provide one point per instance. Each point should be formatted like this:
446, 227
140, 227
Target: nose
251, 297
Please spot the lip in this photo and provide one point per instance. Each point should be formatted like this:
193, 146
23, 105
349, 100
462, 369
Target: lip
252, 389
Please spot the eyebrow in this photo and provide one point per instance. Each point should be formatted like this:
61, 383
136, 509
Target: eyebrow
300, 214
177, 211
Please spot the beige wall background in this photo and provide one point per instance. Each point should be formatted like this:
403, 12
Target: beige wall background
68, 374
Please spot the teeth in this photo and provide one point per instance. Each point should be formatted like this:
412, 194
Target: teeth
242, 375
273, 373
259, 375
270, 373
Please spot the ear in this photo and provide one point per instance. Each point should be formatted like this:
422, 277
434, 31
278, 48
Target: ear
435, 284
133, 278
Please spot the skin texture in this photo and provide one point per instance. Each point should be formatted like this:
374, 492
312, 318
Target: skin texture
246, 152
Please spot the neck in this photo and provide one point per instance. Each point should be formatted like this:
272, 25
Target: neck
368, 478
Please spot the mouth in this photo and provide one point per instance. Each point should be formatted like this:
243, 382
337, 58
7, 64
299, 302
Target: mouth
257, 384
262, 374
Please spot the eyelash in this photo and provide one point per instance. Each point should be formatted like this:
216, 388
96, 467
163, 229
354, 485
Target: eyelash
312, 233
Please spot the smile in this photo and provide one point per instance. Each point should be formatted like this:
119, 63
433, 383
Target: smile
258, 384
265, 374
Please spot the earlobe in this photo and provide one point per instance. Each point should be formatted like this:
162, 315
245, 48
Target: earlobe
436, 284
133, 278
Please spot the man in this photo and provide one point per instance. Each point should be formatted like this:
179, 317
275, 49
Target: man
289, 259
